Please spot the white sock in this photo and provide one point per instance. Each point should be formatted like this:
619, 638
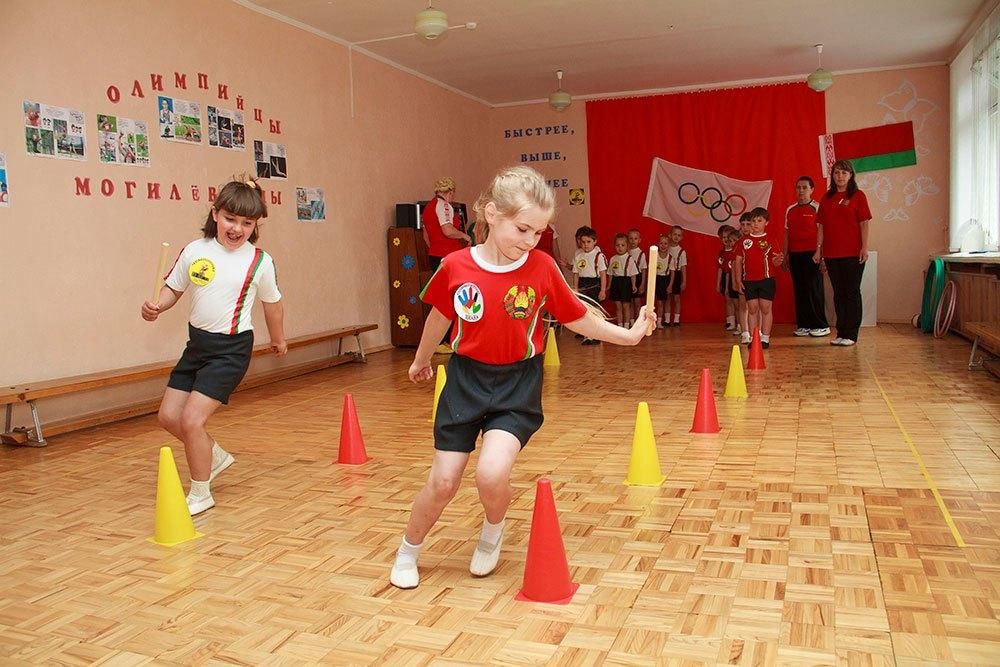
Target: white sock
492, 531
765, 338
200, 489
677, 317
408, 553
218, 453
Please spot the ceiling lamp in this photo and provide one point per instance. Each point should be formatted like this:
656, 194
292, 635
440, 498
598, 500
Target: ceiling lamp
821, 79
431, 23
560, 99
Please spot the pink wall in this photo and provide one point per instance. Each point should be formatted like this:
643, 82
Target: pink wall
75, 269
909, 204
532, 132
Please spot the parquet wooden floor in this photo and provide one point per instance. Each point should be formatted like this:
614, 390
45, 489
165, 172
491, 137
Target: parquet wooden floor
803, 533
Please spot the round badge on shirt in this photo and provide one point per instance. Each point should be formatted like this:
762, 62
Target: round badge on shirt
469, 303
202, 271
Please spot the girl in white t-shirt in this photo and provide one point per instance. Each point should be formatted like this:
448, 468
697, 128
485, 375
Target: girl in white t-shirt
224, 271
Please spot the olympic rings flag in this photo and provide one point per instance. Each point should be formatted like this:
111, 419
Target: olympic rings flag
700, 201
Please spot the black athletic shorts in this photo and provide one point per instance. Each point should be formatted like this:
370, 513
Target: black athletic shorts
481, 397
621, 289
589, 287
661, 287
213, 363
726, 286
678, 281
759, 289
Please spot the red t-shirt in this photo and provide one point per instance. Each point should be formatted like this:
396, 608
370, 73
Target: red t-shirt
496, 309
439, 212
726, 259
800, 221
757, 253
841, 219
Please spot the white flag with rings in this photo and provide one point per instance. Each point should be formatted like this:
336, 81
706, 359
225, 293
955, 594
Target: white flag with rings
700, 201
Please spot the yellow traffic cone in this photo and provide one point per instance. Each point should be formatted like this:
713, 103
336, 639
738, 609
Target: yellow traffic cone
173, 520
736, 384
439, 380
551, 350
644, 468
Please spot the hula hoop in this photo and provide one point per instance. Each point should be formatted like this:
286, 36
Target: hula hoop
933, 287
945, 309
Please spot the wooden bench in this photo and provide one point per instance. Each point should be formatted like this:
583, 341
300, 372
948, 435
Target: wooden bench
987, 333
33, 391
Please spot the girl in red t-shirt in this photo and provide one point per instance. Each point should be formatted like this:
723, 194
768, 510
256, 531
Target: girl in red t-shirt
842, 245
492, 295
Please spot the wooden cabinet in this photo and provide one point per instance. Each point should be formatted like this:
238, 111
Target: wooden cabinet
409, 271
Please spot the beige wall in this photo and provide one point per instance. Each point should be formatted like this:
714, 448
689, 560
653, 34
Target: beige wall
526, 134
74, 270
909, 204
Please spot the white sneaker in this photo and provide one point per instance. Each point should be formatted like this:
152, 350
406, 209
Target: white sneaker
745, 338
199, 505
736, 332
846, 342
730, 327
818, 333
404, 575
485, 557
836, 341
802, 331
224, 462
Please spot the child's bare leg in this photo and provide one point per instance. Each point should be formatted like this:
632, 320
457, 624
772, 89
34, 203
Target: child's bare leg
619, 307
766, 317
741, 310
171, 408
753, 314
661, 311
197, 442
627, 307
442, 484
500, 450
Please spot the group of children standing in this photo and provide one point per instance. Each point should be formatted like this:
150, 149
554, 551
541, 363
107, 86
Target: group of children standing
628, 271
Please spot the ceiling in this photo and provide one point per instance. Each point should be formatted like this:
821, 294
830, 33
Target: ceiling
613, 47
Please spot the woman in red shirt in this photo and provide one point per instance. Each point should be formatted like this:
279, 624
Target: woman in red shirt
842, 244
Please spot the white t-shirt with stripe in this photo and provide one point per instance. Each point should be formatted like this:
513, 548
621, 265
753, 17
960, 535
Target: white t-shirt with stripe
223, 284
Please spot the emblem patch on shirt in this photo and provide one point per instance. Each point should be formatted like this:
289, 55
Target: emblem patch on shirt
747, 244
202, 271
469, 303
581, 263
519, 302
614, 265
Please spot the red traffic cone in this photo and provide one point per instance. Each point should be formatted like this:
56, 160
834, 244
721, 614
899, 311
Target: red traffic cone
756, 360
546, 573
352, 444
706, 419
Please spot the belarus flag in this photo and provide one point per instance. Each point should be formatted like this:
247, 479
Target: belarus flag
870, 149
700, 201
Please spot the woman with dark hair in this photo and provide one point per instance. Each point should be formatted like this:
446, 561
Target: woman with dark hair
842, 245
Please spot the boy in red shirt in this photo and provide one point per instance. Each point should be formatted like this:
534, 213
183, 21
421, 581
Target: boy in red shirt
752, 275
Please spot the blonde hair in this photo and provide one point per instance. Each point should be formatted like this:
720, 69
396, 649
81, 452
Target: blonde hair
512, 190
444, 184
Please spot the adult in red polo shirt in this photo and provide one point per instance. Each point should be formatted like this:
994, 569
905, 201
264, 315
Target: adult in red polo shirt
842, 243
800, 246
442, 231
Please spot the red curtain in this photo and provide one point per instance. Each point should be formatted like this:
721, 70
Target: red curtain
752, 134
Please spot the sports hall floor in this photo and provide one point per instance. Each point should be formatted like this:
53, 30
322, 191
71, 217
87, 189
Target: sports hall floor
804, 533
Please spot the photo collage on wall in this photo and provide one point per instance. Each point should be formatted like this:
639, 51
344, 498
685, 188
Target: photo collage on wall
122, 140
55, 132
310, 205
179, 120
4, 193
226, 129
269, 160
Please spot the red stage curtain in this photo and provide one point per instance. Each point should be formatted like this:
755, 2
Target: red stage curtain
766, 132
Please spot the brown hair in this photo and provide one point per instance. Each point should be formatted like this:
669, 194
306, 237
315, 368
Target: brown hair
240, 196
852, 185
